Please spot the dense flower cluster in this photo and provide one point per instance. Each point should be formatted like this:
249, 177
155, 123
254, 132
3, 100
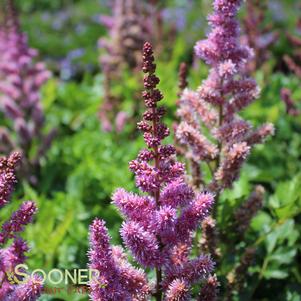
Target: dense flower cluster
14, 254
127, 31
217, 138
258, 35
20, 83
214, 107
159, 223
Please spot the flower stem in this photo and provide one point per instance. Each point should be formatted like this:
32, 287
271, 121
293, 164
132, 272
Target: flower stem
158, 294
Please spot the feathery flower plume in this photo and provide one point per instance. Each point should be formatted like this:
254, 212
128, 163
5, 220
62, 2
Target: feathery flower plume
127, 31
14, 254
258, 36
217, 138
248, 210
159, 222
211, 126
20, 82
17, 221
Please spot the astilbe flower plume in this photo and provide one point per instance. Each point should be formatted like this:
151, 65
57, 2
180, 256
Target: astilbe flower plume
128, 30
214, 107
258, 35
159, 222
216, 136
249, 209
14, 253
20, 82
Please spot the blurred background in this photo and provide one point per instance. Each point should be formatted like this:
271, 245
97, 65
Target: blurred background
88, 158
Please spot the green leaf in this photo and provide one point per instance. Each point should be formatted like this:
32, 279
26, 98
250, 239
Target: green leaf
59, 233
283, 256
271, 241
260, 221
275, 274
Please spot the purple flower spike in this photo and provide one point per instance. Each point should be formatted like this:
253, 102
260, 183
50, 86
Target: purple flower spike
21, 80
18, 220
159, 222
210, 127
15, 253
212, 135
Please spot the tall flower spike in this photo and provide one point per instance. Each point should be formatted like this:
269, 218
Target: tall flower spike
211, 127
248, 210
159, 223
258, 36
18, 220
107, 285
127, 31
14, 254
20, 82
